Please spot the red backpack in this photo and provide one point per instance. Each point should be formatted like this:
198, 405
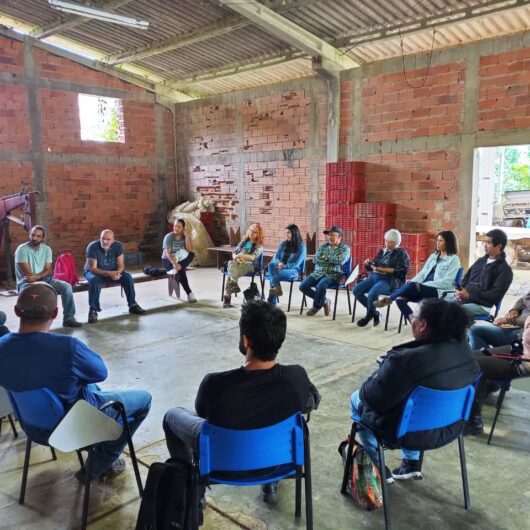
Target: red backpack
65, 269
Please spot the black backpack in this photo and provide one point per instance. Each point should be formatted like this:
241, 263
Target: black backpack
252, 293
169, 495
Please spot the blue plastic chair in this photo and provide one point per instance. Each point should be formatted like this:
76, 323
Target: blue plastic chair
39, 412
300, 265
258, 271
346, 271
490, 317
425, 409
284, 447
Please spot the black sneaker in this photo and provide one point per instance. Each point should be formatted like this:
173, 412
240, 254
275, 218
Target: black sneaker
377, 318
92, 316
474, 426
269, 492
136, 310
117, 468
71, 323
364, 321
408, 469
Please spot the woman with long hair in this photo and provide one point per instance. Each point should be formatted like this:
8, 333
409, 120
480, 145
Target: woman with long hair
437, 276
285, 264
246, 253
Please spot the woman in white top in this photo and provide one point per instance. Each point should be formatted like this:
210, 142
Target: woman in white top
437, 275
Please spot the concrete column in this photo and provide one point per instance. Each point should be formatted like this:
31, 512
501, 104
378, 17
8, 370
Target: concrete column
333, 118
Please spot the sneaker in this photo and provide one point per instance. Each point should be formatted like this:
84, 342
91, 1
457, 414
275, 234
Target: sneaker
389, 477
232, 287
276, 291
72, 323
92, 316
364, 321
377, 318
327, 307
269, 492
383, 301
191, 298
172, 272
136, 310
474, 426
408, 469
227, 301
312, 311
117, 468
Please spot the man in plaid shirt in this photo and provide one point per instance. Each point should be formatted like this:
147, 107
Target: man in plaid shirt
329, 261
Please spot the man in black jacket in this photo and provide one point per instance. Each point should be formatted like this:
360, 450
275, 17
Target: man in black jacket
439, 357
488, 279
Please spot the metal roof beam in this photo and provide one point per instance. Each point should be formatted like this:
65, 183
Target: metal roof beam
291, 33
64, 23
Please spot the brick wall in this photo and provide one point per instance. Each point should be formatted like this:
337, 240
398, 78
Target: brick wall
84, 186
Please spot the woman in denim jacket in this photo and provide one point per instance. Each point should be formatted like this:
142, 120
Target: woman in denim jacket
437, 275
285, 264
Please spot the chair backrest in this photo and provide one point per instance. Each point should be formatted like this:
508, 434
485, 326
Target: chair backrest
258, 263
38, 411
490, 317
5, 405
427, 408
459, 274
233, 450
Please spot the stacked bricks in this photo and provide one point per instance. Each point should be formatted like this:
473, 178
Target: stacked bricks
345, 186
371, 221
417, 247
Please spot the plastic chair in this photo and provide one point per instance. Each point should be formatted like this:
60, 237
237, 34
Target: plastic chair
43, 419
425, 409
346, 270
490, 317
258, 271
284, 447
6, 411
301, 273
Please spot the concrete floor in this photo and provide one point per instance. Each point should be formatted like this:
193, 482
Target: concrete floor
169, 350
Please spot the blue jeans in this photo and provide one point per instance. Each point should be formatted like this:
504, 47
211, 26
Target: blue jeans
62, 288
369, 289
412, 292
474, 310
485, 334
277, 276
368, 438
137, 404
95, 282
318, 294
183, 429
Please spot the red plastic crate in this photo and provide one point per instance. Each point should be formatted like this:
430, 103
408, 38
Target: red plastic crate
345, 195
347, 237
345, 222
412, 240
417, 255
345, 182
338, 209
374, 209
360, 253
374, 237
371, 224
345, 168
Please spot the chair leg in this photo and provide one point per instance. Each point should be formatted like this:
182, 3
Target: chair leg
25, 472
384, 486
349, 459
498, 407
131, 449
387, 317
12, 423
298, 495
262, 283
81, 463
308, 482
336, 300
223, 287
463, 467
400, 322
349, 300
54, 456
354, 309
84, 517
303, 304
290, 296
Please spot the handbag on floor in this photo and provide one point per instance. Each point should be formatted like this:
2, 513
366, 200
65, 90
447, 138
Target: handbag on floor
364, 480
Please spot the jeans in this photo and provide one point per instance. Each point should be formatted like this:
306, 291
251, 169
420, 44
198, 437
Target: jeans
412, 292
181, 276
279, 275
475, 310
369, 289
485, 334
183, 429
62, 288
368, 438
137, 404
319, 293
95, 282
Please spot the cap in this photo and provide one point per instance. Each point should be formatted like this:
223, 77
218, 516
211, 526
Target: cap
37, 301
334, 228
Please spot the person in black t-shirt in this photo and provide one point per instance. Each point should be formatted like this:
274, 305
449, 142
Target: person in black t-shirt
259, 394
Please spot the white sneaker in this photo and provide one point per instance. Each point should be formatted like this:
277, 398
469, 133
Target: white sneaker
191, 298
172, 272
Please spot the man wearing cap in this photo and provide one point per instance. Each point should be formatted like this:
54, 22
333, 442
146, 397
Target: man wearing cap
34, 358
33, 263
329, 262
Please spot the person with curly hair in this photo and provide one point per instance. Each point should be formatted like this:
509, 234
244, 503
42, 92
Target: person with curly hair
243, 260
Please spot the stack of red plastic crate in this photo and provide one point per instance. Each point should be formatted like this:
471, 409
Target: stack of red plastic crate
371, 221
417, 247
345, 186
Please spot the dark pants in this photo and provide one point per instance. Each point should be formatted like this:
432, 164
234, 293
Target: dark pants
412, 292
95, 282
181, 276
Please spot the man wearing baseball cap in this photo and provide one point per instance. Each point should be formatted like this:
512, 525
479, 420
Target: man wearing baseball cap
329, 261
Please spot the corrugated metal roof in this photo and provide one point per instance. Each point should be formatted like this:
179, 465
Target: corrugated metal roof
370, 31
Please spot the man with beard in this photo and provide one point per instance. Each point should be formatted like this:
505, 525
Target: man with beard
33, 263
105, 264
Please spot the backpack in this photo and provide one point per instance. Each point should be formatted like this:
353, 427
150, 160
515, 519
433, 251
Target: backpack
149, 270
65, 269
252, 293
169, 493
364, 480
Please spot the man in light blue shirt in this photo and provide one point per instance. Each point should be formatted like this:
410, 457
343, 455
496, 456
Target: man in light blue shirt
33, 263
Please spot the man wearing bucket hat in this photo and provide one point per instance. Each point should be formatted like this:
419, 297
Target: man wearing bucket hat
329, 261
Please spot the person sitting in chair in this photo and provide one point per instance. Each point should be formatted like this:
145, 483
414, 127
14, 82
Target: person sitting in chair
439, 357
259, 394
243, 260
284, 264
